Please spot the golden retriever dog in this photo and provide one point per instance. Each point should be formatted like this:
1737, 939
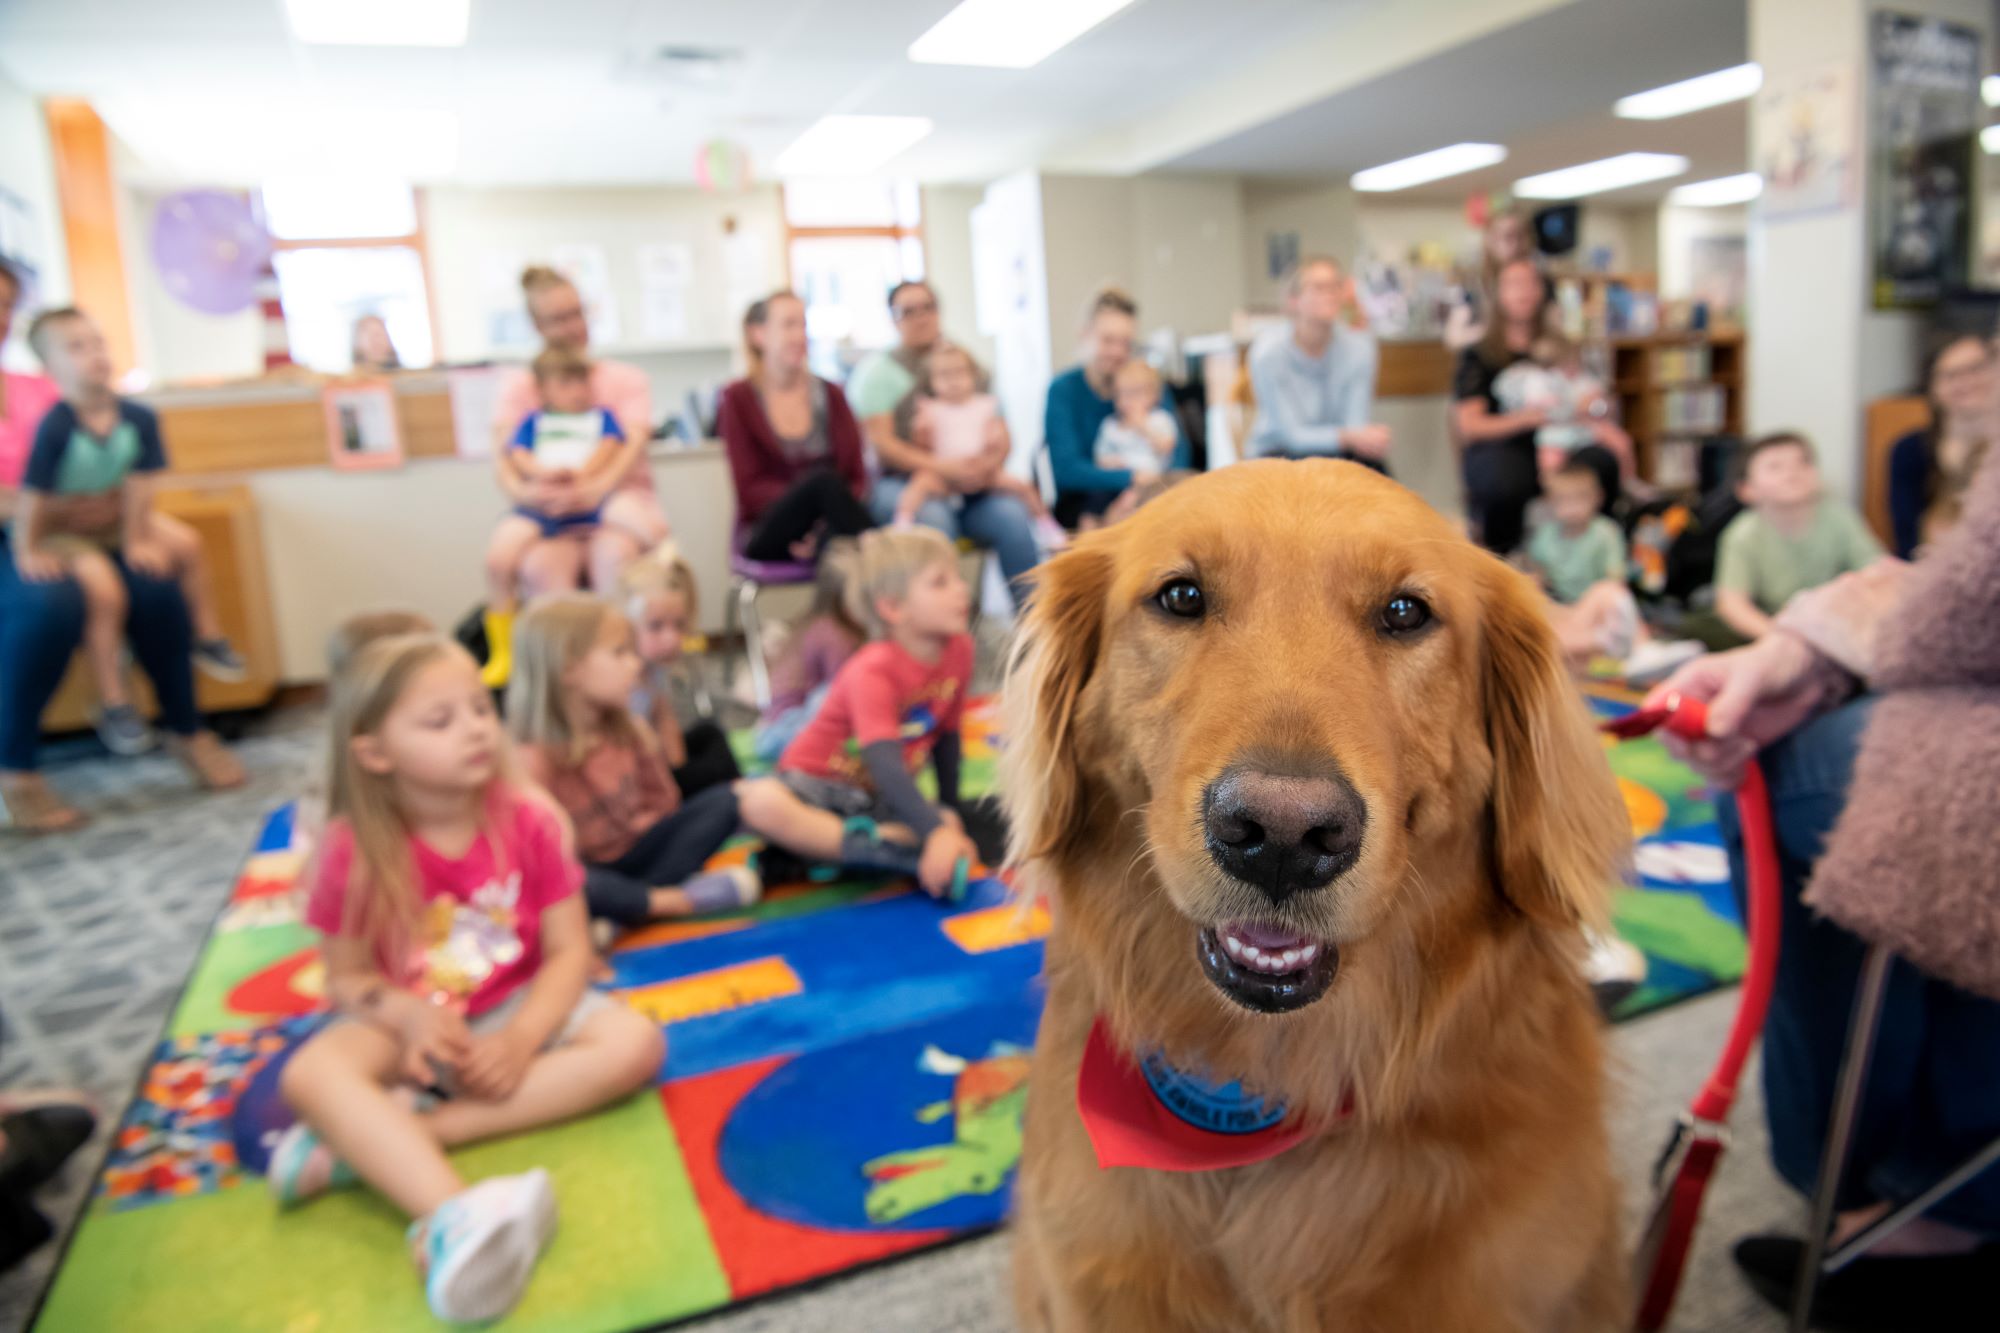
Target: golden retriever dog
1317, 809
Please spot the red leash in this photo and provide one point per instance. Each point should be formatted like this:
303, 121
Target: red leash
1682, 1174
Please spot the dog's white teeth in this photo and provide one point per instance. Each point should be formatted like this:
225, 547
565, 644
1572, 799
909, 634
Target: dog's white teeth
1234, 945
1291, 958
1310, 952
1253, 955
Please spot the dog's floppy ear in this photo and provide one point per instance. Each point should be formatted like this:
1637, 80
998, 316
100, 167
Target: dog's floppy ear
1054, 654
1560, 830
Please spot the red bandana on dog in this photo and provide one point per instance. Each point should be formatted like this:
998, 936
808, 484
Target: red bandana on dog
1144, 1112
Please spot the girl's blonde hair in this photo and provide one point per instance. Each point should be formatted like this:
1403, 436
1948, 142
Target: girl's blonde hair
356, 632
382, 894
944, 351
661, 570
554, 635
1137, 371
883, 563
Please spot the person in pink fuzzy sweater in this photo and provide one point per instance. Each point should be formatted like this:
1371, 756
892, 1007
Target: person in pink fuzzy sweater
1874, 709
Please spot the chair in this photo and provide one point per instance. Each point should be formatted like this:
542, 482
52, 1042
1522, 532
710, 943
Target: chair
1820, 1261
748, 578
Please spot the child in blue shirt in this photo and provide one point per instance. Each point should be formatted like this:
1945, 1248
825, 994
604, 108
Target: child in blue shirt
94, 443
559, 447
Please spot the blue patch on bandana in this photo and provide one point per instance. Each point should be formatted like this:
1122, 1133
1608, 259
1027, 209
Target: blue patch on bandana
1222, 1108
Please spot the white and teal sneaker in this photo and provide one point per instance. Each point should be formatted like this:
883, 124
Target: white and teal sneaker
302, 1167
479, 1247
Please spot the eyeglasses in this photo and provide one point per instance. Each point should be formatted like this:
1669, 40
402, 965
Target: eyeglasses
904, 312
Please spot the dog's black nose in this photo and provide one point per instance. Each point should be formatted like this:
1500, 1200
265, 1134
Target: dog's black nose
1282, 833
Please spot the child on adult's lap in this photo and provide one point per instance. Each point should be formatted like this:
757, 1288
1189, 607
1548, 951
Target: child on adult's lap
963, 424
456, 952
561, 446
95, 443
896, 704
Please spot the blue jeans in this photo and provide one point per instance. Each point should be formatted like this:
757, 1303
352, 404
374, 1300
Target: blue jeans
997, 522
1933, 1092
41, 625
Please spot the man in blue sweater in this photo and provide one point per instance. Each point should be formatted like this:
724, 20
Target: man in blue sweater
1315, 378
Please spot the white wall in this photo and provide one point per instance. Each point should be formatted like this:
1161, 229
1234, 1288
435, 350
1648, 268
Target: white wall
1389, 231
1323, 213
1171, 241
1679, 229
479, 239
1187, 232
29, 173
948, 263
1087, 243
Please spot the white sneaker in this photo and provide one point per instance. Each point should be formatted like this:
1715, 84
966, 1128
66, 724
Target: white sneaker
1656, 659
1614, 967
1050, 534
479, 1247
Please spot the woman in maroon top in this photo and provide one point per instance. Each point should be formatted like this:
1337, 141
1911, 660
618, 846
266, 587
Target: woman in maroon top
794, 447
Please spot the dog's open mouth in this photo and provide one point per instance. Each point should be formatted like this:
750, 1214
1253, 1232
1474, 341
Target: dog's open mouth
1266, 968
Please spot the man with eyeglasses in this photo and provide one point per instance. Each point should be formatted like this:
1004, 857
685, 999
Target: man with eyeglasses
883, 384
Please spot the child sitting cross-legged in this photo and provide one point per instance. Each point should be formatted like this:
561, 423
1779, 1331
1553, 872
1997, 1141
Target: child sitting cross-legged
456, 951
570, 707
1791, 538
896, 704
1579, 557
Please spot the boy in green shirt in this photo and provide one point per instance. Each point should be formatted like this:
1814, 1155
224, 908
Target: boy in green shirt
1791, 537
1578, 554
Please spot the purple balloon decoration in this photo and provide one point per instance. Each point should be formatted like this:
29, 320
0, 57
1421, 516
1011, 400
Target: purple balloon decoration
210, 250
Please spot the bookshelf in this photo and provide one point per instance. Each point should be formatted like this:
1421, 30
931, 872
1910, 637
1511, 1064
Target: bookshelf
1673, 391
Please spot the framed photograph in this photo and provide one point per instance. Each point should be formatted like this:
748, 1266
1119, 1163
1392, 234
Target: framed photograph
361, 425
1923, 156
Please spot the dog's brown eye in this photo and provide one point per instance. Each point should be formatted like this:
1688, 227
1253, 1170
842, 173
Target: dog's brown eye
1405, 614
1182, 597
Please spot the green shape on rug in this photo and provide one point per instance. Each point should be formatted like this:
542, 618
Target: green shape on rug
1679, 927
233, 956
631, 1249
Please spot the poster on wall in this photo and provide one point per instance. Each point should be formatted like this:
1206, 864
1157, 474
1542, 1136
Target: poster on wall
1806, 142
666, 272
361, 429
1923, 144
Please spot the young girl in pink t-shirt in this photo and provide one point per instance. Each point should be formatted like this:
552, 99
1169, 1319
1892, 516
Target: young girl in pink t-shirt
456, 952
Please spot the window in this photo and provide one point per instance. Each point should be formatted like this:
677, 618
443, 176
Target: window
346, 248
848, 242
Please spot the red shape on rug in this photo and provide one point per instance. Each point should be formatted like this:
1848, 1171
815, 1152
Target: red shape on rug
761, 1253
274, 991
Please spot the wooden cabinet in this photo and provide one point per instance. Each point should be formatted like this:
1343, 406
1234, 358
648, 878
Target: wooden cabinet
226, 519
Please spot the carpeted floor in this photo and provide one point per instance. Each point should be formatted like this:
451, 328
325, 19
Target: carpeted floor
97, 930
